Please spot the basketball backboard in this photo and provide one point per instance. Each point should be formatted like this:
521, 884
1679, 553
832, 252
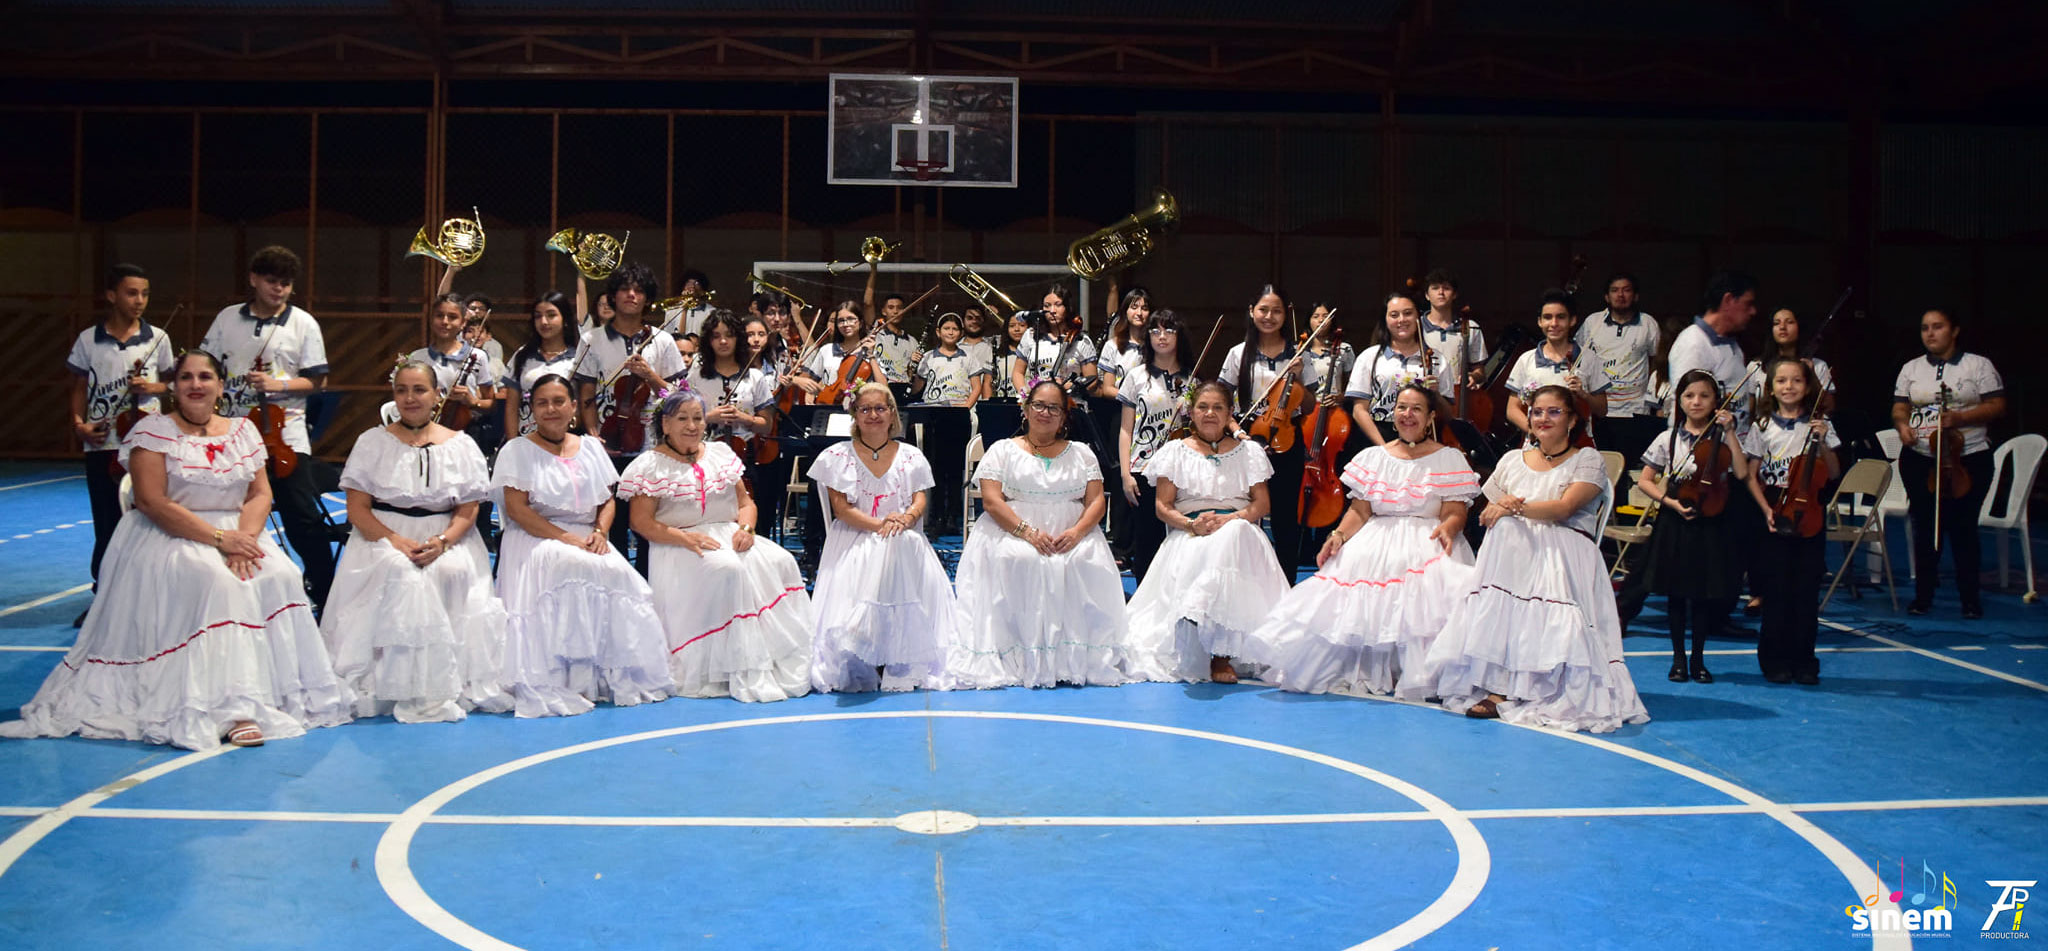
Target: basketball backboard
922, 130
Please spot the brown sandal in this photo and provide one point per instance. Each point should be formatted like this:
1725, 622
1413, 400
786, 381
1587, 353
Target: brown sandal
1220, 671
245, 734
1485, 709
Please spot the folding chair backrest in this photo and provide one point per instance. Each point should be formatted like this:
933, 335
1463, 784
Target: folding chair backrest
1615, 464
1867, 477
2021, 455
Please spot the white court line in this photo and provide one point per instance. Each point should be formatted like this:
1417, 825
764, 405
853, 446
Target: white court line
45, 599
1028, 822
1966, 665
1751, 652
48, 822
2029, 647
24, 485
1965, 647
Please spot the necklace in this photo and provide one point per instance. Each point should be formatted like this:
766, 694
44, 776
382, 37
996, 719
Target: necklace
1036, 449
874, 452
556, 442
200, 425
1410, 443
689, 456
402, 422
1553, 457
1215, 445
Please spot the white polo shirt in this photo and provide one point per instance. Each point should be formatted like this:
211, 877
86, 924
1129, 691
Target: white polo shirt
603, 351
1444, 341
1378, 375
1265, 370
1534, 370
1039, 353
290, 345
1971, 380
948, 378
104, 363
1625, 350
893, 351
1698, 347
1775, 441
752, 390
472, 365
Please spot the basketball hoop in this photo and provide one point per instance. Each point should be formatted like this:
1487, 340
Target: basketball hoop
922, 168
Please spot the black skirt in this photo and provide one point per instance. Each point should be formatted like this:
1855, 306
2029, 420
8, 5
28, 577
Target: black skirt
1692, 558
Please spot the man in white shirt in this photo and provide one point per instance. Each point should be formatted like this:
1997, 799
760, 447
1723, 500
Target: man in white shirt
1709, 344
1625, 340
274, 353
1443, 330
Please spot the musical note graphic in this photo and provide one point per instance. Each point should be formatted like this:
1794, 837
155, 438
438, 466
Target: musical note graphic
1920, 897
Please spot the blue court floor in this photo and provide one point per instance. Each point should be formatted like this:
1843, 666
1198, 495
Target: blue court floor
1745, 815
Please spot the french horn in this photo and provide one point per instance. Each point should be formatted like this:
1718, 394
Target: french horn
595, 254
1126, 242
459, 242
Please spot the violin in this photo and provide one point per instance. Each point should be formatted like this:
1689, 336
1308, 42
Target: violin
268, 418
1180, 424
126, 419
1801, 510
1706, 490
1322, 500
1274, 415
1444, 434
1949, 480
457, 418
622, 401
854, 369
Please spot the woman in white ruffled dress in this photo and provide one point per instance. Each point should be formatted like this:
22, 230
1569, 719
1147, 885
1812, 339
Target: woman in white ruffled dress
1537, 640
885, 609
1041, 602
738, 620
202, 630
1388, 574
413, 626
582, 628
1215, 577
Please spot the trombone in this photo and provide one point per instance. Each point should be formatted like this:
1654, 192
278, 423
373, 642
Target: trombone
459, 242
798, 302
981, 290
595, 254
872, 251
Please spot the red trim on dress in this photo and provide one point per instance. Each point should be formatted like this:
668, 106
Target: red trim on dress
1418, 569
786, 592
166, 652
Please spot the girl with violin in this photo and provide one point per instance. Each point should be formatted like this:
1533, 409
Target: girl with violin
847, 342
203, 632
1942, 405
1692, 557
1125, 345
1154, 396
1324, 355
1785, 344
276, 359
620, 370
1536, 640
582, 628
1040, 600
1059, 340
738, 620
416, 631
1558, 360
739, 394
1790, 445
1395, 359
1271, 390
1216, 577
1007, 356
886, 613
117, 366
777, 360
1390, 571
548, 349
1122, 348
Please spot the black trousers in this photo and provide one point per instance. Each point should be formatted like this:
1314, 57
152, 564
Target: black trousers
1703, 615
1787, 576
622, 536
770, 484
1628, 435
296, 499
1146, 532
103, 490
945, 447
1282, 492
1958, 525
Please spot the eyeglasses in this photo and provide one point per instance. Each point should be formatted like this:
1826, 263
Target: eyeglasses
872, 410
1038, 407
1162, 331
1546, 412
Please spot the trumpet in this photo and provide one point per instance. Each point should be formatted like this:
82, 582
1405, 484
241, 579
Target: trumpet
872, 251
797, 304
1126, 242
596, 255
458, 243
687, 302
981, 290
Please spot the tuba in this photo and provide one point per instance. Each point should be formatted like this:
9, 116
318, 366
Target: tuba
596, 255
458, 243
1125, 243
872, 251
980, 289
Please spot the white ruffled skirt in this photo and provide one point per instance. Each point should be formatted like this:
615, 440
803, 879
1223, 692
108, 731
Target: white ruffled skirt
739, 623
880, 602
1539, 627
176, 649
1036, 620
581, 627
1363, 624
1201, 598
421, 644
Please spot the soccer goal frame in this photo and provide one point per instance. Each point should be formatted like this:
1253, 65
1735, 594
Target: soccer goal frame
1031, 273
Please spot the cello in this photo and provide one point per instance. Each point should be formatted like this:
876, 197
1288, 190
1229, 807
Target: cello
1322, 485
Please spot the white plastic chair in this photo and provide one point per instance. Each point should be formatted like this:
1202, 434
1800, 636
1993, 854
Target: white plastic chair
796, 488
2021, 454
971, 491
388, 413
1894, 504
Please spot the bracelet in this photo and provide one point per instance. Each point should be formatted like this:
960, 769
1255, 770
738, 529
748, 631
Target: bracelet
749, 529
218, 535
1023, 528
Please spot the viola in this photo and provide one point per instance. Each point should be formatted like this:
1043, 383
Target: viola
269, 420
1801, 510
1322, 500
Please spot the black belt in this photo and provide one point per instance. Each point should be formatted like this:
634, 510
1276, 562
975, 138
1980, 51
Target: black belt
412, 512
